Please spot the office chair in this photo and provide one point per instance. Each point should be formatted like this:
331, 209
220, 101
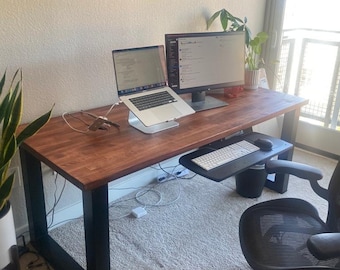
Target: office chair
288, 233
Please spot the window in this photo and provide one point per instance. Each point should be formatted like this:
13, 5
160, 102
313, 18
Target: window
306, 42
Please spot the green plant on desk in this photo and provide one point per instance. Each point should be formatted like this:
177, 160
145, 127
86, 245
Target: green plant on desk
230, 22
254, 49
253, 45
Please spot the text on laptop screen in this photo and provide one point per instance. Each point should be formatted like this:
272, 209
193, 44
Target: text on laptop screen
139, 69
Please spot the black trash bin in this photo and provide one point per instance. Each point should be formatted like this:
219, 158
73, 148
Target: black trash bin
250, 182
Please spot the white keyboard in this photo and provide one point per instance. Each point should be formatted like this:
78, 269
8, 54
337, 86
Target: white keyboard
224, 155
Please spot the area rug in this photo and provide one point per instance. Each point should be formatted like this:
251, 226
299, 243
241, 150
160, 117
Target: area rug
190, 224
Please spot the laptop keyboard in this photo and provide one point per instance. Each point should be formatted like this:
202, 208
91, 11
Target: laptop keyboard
152, 100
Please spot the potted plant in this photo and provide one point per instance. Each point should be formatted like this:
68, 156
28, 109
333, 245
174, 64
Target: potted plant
253, 52
11, 108
253, 45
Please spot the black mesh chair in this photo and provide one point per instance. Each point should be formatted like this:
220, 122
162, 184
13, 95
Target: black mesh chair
288, 233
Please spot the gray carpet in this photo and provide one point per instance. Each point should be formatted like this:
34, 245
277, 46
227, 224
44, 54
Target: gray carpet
194, 226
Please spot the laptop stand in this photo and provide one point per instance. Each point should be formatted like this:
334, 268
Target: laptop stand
137, 124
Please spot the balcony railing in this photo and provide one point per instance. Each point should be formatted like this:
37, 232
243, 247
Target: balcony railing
310, 67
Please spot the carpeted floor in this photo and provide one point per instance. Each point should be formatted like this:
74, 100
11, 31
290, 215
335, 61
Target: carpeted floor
190, 224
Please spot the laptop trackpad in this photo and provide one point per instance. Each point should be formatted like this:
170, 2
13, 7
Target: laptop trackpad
166, 113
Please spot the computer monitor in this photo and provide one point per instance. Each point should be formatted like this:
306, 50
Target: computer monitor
199, 62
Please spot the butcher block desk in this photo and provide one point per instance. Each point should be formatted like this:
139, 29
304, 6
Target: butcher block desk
90, 161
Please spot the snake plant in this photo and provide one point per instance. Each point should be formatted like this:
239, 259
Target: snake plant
11, 109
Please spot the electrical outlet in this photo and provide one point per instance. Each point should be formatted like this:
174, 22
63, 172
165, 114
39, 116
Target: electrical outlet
47, 170
179, 172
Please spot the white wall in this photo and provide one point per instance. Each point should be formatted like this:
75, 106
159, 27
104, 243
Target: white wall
64, 48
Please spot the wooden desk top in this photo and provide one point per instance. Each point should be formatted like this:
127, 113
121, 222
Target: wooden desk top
93, 159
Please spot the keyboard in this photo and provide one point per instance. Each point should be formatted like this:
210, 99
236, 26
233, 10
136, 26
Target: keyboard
224, 155
152, 100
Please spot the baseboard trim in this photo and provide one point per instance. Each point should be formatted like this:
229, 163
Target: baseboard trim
317, 151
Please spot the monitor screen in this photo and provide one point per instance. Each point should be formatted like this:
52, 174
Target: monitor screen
199, 62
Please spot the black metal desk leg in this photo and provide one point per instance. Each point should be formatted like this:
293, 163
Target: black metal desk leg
96, 223
289, 127
36, 212
288, 134
34, 193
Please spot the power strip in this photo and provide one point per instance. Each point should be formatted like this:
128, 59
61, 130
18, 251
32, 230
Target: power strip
170, 176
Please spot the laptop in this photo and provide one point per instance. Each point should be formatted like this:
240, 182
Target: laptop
141, 80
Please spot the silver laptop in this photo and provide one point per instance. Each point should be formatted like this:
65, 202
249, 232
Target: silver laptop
141, 80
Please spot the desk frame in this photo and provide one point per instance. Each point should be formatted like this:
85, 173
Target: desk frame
288, 134
251, 108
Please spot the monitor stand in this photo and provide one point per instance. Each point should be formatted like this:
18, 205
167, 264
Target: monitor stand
200, 102
137, 124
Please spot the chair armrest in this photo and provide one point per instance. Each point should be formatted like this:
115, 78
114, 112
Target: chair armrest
300, 170
324, 246
290, 167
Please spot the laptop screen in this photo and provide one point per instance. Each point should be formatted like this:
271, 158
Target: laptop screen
139, 69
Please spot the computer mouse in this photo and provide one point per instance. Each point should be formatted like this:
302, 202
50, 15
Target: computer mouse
264, 144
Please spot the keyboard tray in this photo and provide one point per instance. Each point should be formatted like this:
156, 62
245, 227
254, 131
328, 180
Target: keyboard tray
229, 169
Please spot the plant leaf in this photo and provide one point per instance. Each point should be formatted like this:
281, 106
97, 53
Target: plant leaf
212, 18
11, 104
2, 82
5, 190
248, 36
224, 19
263, 36
4, 106
236, 19
7, 152
34, 127
13, 117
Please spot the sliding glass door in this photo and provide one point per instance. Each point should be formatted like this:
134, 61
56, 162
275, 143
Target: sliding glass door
306, 62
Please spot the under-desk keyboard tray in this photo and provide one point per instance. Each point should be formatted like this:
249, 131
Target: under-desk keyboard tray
238, 165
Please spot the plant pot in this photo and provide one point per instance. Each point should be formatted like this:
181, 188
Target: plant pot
7, 235
251, 79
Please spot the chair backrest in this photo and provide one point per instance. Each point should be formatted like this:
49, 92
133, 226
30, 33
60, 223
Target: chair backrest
333, 217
